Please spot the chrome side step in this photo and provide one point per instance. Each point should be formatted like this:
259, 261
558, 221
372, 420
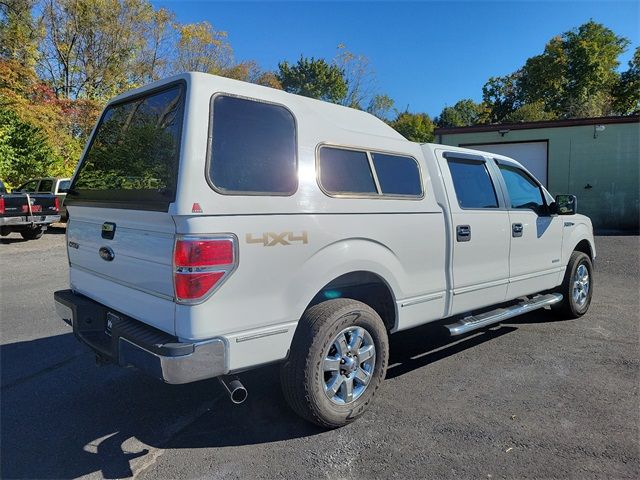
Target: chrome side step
473, 322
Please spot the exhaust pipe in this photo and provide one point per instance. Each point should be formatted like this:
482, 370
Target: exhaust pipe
235, 389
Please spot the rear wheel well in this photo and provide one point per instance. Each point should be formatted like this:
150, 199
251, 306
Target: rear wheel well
584, 247
365, 287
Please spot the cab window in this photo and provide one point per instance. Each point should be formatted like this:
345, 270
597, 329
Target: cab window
46, 186
524, 192
472, 183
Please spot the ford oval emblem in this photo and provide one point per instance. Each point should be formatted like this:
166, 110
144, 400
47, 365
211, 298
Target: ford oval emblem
106, 253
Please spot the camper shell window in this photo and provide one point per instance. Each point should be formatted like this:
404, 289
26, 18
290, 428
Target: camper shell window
252, 147
356, 173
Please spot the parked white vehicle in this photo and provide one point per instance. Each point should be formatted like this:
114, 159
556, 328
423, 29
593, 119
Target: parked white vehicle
217, 226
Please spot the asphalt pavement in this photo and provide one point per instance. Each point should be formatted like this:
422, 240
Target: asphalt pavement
531, 398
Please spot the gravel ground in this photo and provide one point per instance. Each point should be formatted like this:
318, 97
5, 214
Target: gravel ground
532, 398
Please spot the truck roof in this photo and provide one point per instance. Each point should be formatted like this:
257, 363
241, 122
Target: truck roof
341, 117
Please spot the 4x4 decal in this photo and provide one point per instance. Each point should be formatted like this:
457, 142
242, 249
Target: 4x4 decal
270, 239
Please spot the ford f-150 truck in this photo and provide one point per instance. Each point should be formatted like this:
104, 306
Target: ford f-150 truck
216, 226
28, 214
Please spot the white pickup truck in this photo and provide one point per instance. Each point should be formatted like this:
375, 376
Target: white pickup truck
217, 226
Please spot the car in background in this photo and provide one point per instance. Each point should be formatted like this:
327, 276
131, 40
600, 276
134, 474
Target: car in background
53, 185
28, 214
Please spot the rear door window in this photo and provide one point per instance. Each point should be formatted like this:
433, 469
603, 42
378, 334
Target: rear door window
132, 161
252, 147
472, 183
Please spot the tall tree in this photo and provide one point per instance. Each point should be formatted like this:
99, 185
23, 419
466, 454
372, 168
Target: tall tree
201, 48
463, 114
158, 51
358, 74
530, 112
380, 105
501, 96
416, 127
20, 33
627, 92
576, 73
92, 46
313, 78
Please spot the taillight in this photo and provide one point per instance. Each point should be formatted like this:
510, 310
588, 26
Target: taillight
201, 265
56, 204
1, 205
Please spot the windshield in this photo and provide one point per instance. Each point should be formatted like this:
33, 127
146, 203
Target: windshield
132, 161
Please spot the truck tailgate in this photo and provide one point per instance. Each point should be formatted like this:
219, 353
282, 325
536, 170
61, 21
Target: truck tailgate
130, 272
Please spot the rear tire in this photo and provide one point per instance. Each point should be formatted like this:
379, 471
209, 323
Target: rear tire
32, 233
576, 288
338, 359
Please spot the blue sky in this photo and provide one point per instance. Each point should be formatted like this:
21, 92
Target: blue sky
426, 54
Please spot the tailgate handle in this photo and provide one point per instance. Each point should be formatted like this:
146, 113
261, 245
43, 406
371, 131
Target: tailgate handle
108, 230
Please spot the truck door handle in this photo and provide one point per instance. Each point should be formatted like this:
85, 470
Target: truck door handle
463, 233
516, 229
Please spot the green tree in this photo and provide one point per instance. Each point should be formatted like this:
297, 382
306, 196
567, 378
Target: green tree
627, 92
201, 48
313, 78
501, 96
92, 47
20, 33
576, 73
463, 114
530, 112
416, 127
24, 149
380, 105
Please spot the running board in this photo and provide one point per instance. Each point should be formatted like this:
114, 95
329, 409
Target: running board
474, 322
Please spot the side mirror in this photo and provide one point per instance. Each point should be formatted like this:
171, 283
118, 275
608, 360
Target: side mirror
566, 204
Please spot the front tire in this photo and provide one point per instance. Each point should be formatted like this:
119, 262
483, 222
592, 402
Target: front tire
576, 288
338, 359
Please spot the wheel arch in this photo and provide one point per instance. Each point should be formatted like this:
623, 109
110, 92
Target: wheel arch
580, 239
584, 246
366, 287
350, 268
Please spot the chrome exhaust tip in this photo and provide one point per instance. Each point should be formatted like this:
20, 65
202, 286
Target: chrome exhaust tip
236, 391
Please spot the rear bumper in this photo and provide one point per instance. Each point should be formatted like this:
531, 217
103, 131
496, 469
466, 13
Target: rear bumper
127, 342
26, 220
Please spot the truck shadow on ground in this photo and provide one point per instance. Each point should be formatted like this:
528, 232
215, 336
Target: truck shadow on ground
16, 238
62, 417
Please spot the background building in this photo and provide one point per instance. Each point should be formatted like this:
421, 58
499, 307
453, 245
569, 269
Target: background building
596, 159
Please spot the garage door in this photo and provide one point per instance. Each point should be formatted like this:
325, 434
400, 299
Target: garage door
533, 155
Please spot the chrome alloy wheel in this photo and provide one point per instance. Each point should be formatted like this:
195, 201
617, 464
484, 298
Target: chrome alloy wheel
348, 365
581, 285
